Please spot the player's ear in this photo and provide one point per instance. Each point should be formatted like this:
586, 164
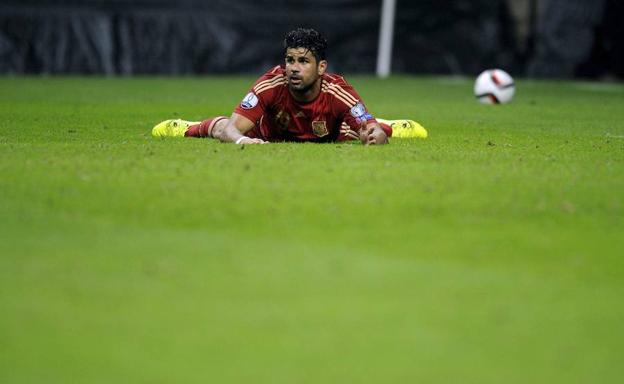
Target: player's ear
322, 67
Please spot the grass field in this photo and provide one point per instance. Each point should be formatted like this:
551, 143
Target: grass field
492, 252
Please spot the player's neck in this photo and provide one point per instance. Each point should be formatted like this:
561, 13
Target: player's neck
309, 94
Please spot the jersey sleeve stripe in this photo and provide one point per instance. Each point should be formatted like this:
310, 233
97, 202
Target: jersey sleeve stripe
272, 81
269, 86
349, 132
268, 81
346, 94
339, 97
352, 134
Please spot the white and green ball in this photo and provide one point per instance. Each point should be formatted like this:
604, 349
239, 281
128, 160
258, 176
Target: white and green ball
494, 86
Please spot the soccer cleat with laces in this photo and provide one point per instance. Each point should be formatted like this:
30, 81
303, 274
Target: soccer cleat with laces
172, 128
405, 129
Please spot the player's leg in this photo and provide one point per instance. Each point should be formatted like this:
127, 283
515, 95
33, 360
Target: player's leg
182, 128
204, 129
208, 126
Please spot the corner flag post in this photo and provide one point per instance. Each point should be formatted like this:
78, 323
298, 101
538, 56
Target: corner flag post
386, 30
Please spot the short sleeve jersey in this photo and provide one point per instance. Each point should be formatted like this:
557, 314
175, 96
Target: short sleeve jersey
279, 117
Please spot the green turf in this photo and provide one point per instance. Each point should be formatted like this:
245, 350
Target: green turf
492, 252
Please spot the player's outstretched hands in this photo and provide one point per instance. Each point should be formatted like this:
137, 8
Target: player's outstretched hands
372, 135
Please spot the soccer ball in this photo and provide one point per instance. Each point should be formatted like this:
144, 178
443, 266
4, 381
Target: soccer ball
494, 86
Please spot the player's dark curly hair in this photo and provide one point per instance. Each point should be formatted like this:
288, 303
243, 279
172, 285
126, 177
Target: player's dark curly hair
307, 38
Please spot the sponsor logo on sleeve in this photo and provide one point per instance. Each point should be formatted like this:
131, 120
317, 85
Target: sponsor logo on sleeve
358, 110
250, 101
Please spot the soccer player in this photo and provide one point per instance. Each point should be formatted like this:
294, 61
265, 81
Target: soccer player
297, 101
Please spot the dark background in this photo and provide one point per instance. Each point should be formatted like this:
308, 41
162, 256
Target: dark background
534, 38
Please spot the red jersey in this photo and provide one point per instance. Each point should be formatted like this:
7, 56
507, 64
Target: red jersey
338, 111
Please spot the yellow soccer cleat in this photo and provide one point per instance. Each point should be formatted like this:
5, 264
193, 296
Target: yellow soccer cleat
406, 129
172, 128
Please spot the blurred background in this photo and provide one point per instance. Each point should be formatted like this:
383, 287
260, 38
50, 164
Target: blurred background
532, 38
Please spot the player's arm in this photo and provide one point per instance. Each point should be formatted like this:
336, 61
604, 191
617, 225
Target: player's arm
246, 113
371, 133
356, 116
235, 130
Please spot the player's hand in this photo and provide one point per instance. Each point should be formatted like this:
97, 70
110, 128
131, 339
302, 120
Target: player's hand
377, 136
371, 135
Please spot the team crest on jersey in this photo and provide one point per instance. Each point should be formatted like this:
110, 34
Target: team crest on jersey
319, 128
250, 101
358, 110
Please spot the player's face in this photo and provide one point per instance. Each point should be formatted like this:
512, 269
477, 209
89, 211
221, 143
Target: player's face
302, 70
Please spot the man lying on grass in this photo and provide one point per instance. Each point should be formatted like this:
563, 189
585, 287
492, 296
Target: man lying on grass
298, 101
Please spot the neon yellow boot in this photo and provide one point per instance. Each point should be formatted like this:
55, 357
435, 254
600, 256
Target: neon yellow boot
405, 129
172, 128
